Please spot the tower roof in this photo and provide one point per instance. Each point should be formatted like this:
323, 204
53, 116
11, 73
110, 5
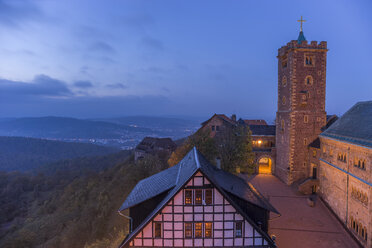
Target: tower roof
301, 37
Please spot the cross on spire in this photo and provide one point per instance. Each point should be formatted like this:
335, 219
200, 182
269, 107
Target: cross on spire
301, 21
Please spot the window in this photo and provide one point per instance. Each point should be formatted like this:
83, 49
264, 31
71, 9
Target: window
208, 230
309, 60
306, 118
238, 229
198, 230
217, 128
213, 128
188, 230
309, 80
157, 229
198, 196
314, 153
188, 196
305, 141
283, 100
331, 152
284, 81
208, 197
318, 119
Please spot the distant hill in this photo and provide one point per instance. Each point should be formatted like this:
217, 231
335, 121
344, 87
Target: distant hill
125, 132
172, 127
25, 154
64, 128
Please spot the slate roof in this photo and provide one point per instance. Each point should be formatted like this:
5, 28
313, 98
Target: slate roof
355, 126
151, 143
255, 122
263, 130
301, 37
174, 179
315, 143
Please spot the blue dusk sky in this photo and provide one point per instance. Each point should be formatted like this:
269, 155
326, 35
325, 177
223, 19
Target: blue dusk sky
172, 58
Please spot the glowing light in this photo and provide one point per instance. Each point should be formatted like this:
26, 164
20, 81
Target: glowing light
259, 142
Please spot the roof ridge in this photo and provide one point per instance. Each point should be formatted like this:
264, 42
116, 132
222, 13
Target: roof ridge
196, 158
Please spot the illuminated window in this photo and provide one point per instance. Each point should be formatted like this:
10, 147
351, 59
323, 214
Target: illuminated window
188, 196
157, 229
198, 196
208, 197
283, 100
305, 141
208, 230
198, 230
188, 230
284, 81
330, 152
309, 80
238, 229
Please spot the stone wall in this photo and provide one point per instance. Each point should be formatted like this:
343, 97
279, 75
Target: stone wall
347, 188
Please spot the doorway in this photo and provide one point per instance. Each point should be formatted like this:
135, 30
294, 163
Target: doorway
264, 165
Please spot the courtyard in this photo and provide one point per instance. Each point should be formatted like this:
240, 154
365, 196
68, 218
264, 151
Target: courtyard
299, 225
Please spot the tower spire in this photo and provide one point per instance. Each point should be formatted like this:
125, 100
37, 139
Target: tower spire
301, 36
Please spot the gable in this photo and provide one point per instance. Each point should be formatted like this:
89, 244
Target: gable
220, 213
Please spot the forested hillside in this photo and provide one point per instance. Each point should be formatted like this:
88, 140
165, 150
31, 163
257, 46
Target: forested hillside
25, 154
73, 206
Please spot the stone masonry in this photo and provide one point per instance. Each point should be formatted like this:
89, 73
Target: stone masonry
301, 106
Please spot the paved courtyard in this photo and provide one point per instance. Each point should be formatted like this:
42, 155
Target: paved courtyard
299, 225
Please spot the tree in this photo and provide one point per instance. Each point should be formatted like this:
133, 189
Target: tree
235, 149
202, 141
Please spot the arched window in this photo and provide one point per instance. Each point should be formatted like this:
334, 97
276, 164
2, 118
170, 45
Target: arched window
284, 81
363, 164
309, 80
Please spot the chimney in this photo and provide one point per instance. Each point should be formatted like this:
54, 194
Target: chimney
218, 163
233, 117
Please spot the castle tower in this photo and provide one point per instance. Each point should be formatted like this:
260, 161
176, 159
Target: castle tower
301, 104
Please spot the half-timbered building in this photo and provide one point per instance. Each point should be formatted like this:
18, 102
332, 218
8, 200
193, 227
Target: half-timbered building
195, 204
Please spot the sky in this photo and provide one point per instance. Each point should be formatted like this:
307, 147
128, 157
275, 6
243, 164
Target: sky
95, 58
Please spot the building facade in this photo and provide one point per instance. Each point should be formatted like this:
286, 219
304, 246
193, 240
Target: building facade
346, 171
194, 204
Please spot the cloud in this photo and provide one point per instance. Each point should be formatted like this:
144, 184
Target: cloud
86, 106
117, 86
83, 84
14, 13
41, 86
152, 43
101, 46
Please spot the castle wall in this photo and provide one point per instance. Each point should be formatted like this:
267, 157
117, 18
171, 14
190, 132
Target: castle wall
346, 186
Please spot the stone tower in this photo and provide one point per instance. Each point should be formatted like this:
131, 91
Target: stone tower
301, 105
